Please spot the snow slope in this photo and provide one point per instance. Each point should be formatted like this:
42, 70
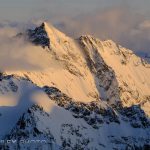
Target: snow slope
67, 68
131, 72
90, 94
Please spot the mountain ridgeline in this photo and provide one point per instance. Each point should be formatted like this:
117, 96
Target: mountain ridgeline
94, 95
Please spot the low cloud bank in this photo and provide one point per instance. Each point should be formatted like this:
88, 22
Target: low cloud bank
120, 24
18, 54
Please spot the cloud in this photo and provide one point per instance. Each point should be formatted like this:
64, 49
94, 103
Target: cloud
120, 24
18, 54
145, 25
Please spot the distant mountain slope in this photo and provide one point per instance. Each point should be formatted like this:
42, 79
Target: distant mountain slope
92, 95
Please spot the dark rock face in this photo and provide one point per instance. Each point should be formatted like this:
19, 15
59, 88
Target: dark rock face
93, 113
136, 116
13, 86
39, 36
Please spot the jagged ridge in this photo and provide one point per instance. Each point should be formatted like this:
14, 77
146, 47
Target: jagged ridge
101, 92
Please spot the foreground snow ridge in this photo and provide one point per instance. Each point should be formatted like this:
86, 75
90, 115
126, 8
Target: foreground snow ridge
92, 95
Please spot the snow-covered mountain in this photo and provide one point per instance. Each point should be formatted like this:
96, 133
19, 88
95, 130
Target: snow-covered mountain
92, 95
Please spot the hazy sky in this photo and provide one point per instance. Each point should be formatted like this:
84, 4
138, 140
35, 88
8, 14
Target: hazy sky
124, 21
27, 9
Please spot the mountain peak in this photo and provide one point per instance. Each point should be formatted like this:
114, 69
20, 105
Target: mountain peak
45, 35
39, 35
85, 88
44, 23
45, 26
